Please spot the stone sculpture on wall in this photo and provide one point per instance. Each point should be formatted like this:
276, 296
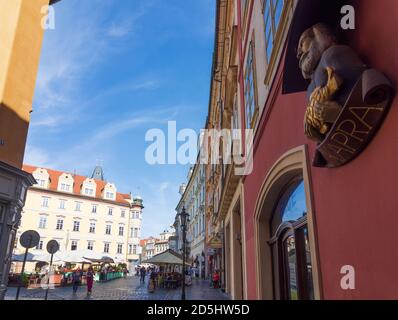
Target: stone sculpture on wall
347, 101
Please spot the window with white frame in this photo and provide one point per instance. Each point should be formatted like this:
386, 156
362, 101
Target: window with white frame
121, 230
135, 233
90, 245
92, 227
106, 247
250, 87
76, 226
110, 195
120, 248
62, 204
44, 202
108, 229
60, 224
135, 249
41, 183
65, 187
78, 206
40, 245
73, 246
42, 222
88, 192
110, 211
94, 208
123, 213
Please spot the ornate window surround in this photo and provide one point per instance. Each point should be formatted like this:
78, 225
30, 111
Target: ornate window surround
292, 164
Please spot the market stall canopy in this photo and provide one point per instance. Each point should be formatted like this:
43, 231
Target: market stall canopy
20, 257
75, 257
58, 257
78, 256
167, 257
101, 260
96, 257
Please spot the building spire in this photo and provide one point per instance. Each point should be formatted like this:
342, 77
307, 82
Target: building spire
98, 173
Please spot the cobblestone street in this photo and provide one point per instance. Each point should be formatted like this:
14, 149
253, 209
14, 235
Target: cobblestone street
122, 289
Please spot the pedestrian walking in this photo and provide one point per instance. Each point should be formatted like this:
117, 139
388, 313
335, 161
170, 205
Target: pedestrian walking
76, 279
152, 282
142, 273
90, 280
137, 271
216, 280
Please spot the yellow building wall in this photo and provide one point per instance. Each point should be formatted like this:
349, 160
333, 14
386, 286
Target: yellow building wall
21, 36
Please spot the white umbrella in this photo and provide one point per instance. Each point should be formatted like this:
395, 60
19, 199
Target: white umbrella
75, 257
20, 257
58, 257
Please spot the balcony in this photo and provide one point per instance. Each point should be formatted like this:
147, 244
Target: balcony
230, 184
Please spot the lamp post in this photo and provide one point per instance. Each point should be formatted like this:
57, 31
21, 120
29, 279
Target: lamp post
183, 221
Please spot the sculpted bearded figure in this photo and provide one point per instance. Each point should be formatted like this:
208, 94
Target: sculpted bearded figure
347, 101
333, 69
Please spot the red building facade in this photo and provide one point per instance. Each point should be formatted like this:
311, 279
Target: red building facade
346, 234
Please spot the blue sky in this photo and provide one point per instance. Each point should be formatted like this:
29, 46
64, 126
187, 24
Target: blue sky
110, 71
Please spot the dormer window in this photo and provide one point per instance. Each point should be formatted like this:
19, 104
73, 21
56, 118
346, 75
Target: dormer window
89, 188
42, 177
88, 192
65, 182
65, 187
109, 192
109, 195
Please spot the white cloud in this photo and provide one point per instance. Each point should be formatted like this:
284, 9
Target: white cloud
72, 52
37, 157
90, 145
119, 31
159, 212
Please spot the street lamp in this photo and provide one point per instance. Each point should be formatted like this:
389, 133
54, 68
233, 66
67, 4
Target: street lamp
183, 222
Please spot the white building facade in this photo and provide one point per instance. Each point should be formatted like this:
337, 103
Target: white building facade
193, 199
82, 213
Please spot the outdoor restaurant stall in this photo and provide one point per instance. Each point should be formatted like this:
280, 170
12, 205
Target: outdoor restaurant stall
170, 266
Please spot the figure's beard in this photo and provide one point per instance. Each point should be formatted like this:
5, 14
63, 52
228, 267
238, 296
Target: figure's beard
310, 60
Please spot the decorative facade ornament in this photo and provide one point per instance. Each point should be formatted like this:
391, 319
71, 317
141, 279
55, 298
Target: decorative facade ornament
347, 100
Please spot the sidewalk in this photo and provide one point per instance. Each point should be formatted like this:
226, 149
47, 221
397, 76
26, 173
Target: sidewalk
200, 290
129, 288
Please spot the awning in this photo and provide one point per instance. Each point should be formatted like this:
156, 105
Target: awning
58, 257
307, 14
20, 257
101, 260
165, 258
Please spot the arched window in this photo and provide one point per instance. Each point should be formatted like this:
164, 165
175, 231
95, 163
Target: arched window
290, 245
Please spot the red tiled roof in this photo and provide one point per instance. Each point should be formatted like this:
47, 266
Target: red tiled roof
78, 181
143, 242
